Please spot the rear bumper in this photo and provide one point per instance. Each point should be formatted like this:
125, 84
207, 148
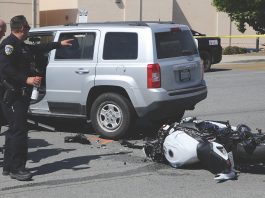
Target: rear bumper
167, 108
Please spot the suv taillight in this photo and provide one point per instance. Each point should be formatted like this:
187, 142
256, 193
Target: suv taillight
153, 76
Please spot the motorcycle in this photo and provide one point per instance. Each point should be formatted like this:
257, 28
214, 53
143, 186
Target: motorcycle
215, 144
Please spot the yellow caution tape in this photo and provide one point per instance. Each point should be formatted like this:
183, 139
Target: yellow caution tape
234, 36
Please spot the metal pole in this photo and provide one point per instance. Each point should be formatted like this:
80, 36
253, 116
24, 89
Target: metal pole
230, 32
257, 44
34, 13
141, 10
217, 23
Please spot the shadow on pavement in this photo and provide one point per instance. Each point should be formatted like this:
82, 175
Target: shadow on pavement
37, 143
61, 125
69, 163
219, 70
142, 129
36, 156
253, 169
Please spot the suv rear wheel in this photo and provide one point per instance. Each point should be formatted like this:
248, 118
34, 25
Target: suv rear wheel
112, 115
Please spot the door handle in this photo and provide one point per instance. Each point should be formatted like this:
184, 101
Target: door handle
82, 71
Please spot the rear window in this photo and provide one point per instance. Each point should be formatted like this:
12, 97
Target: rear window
120, 46
174, 44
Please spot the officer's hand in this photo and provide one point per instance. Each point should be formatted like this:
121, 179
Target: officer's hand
67, 42
34, 81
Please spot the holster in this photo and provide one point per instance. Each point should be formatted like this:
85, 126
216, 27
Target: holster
9, 93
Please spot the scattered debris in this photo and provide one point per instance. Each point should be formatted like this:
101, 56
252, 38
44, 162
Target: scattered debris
130, 145
79, 138
99, 140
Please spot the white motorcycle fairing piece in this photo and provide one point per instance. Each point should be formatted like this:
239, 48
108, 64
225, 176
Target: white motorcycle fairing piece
180, 149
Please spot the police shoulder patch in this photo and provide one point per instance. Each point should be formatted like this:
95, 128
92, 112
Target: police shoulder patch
9, 49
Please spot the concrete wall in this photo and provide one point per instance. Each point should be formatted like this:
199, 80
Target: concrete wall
109, 10
199, 15
203, 17
102, 10
11, 8
128, 10
157, 10
58, 4
58, 17
56, 12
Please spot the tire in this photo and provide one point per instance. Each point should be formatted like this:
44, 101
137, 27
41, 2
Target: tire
112, 115
206, 60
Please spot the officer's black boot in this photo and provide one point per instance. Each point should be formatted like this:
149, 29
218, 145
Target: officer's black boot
21, 175
5, 172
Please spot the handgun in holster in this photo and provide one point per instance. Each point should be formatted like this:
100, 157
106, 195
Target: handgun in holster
9, 93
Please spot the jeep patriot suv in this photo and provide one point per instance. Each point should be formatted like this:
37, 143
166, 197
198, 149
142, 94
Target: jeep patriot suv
117, 72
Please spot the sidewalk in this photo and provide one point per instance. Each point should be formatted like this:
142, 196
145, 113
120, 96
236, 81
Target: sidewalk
243, 58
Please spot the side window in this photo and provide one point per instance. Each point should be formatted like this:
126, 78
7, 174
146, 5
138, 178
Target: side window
39, 39
40, 58
82, 46
120, 46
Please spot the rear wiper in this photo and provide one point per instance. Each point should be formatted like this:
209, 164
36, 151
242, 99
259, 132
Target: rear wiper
187, 52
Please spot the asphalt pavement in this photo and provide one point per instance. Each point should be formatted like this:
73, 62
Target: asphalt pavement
106, 168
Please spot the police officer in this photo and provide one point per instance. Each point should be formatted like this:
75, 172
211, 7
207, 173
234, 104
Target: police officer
17, 80
2, 33
2, 28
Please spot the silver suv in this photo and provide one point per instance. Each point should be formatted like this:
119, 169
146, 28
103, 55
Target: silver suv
116, 72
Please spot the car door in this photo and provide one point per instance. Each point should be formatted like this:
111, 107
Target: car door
71, 72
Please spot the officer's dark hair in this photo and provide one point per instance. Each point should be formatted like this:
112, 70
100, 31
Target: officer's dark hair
17, 22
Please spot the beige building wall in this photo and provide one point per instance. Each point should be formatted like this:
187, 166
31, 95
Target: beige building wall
109, 10
55, 12
58, 17
203, 17
199, 15
155, 10
11, 8
103, 10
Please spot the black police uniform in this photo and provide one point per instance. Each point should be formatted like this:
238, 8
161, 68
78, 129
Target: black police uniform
15, 57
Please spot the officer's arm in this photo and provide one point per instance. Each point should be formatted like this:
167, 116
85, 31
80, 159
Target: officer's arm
46, 47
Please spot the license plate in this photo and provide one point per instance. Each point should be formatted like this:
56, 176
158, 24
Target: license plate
184, 75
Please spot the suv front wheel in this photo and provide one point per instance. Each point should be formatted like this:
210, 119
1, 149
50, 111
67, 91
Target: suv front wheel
112, 115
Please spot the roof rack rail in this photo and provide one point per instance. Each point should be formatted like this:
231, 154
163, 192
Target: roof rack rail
135, 23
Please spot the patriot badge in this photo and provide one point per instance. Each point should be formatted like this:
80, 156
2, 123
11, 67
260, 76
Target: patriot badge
9, 49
